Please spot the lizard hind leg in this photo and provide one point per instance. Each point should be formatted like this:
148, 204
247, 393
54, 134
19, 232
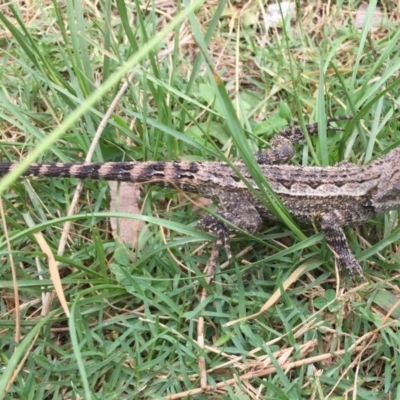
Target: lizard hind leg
282, 149
239, 211
211, 224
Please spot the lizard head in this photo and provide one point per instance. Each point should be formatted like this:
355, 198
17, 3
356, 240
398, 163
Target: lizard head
387, 195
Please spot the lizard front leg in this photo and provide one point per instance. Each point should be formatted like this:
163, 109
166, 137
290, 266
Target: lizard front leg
332, 224
239, 211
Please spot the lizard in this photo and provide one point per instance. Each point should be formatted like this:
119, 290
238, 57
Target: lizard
328, 197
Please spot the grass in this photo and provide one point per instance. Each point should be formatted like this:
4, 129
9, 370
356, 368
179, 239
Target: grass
84, 315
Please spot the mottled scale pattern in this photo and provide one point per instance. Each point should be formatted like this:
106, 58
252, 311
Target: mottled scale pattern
331, 197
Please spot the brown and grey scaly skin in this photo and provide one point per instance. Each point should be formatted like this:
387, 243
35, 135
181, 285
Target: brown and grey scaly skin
329, 197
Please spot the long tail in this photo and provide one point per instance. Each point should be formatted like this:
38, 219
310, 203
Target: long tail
107, 171
186, 175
